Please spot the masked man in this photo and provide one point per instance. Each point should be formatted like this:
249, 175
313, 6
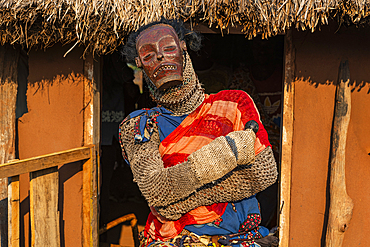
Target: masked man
195, 165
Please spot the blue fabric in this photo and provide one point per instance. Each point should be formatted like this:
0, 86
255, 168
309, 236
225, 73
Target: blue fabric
231, 220
166, 122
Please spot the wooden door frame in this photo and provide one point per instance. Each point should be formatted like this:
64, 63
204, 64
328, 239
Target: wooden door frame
91, 173
286, 140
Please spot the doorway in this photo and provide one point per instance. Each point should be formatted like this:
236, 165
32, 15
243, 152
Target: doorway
224, 62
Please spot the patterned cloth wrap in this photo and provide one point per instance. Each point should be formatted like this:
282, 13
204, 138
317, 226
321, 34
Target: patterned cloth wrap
180, 136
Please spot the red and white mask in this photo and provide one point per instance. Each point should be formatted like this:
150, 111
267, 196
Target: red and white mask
160, 55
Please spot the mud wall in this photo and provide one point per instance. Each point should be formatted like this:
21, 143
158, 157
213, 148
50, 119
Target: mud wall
318, 56
54, 123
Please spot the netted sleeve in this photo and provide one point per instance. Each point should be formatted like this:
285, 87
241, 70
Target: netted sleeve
162, 186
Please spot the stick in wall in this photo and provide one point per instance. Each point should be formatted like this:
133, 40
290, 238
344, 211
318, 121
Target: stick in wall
341, 205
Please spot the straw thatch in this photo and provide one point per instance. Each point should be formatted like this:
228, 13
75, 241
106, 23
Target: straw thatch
102, 25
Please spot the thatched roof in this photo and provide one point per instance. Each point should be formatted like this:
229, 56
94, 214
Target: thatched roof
103, 25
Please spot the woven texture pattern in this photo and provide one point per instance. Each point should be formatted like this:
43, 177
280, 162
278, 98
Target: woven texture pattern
163, 186
219, 157
177, 175
172, 185
242, 144
213, 160
160, 186
173, 194
102, 26
242, 182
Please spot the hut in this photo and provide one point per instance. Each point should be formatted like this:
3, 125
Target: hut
51, 82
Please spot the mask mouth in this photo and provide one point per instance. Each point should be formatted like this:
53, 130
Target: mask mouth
167, 75
164, 68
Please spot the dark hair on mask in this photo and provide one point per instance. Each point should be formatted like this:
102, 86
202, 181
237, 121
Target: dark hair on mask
192, 39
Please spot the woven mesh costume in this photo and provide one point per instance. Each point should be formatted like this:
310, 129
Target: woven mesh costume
204, 178
205, 162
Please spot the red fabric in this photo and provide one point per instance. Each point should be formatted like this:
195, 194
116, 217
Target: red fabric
218, 115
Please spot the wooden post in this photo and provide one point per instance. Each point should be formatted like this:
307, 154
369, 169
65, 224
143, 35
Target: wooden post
341, 205
9, 57
44, 186
13, 211
286, 140
91, 167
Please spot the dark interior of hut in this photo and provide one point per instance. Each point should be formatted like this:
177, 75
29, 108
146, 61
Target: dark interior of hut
224, 62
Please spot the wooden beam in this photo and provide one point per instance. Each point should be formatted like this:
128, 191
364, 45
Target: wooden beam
341, 205
44, 186
9, 57
44, 161
13, 212
90, 236
286, 140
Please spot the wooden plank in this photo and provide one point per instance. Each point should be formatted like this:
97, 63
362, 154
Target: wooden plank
98, 78
96, 157
44, 213
286, 141
89, 207
92, 87
86, 180
9, 57
341, 205
44, 161
91, 136
88, 139
13, 212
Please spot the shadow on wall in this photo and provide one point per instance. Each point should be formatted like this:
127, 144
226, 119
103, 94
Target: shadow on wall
355, 86
66, 172
318, 55
53, 64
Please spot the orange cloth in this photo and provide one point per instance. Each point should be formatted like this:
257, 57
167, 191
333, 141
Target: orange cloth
218, 115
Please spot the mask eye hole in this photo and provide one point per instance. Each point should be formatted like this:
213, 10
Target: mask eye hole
170, 48
148, 57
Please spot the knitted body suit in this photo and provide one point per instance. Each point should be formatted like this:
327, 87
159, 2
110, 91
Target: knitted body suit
212, 174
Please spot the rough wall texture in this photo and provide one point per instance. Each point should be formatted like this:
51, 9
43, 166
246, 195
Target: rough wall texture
54, 123
318, 57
